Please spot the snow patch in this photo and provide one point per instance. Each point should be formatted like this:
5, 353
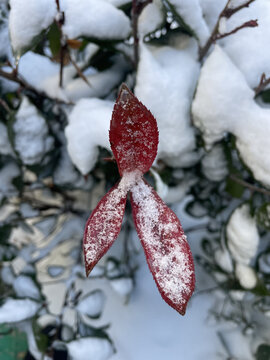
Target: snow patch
88, 128
18, 310
225, 103
87, 348
31, 134
94, 19
27, 19
166, 81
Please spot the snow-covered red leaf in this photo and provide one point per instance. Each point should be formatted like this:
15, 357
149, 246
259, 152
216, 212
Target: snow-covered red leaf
165, 245
133, 134
103, 226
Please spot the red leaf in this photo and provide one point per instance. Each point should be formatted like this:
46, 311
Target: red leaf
133, 134
167, 251
104, 225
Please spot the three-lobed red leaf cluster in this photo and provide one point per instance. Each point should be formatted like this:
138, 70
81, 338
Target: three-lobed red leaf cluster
134, 142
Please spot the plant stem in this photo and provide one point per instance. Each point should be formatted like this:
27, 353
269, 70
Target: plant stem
215, 35
249, 186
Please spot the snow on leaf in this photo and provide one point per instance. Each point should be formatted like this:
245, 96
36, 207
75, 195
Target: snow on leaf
104, 224
165, 245
133, 134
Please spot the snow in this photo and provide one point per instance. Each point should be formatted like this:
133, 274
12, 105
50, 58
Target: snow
43, 74
101, 83
246, 276
94, 19
92, 304
248, 48
211, 10
87, 348
28, 19
165, 84
5, 147
225, 103
24, 286
224, 260
18, 310
214, 165
191, 12
172, 194
87, 129
122, 286
7, 174
151, 18
31, 134
242, 235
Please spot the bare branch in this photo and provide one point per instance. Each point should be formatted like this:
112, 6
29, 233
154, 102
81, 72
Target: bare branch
262, 85
80, 73
249, 186
230, 11
137, 8
250, 23
227, 12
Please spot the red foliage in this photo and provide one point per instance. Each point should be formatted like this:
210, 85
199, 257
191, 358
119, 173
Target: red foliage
134, 141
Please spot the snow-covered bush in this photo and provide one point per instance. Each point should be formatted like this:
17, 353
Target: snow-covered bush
203, 69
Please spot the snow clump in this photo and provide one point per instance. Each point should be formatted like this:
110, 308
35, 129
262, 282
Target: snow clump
32, 141
243, 239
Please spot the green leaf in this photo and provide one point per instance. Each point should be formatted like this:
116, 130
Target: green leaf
263, 215
234, 189
54, 37
265, 95
5, 231
263, 352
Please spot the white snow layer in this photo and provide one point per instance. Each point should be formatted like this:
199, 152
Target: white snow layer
88, 128
246, 276
151, 17
43, 74
166, 81
24, 286
225, 103
17, 310
191, 12
94, 19
7, 173
242, 235
92, 304
214, 164
27, 19
87, 348
249, 48
31, 134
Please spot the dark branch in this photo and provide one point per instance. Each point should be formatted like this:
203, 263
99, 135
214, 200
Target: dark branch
137, 8
227, 13
252, 188
250, 23
262, 85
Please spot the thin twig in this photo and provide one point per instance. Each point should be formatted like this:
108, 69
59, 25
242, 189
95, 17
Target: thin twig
249, 186
14, 76
215, 35
250, 23
262, 85
80, 73
5, 105
137, 8
230, 11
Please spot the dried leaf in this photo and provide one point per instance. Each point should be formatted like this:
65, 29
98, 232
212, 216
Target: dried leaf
165, 245
133, 134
